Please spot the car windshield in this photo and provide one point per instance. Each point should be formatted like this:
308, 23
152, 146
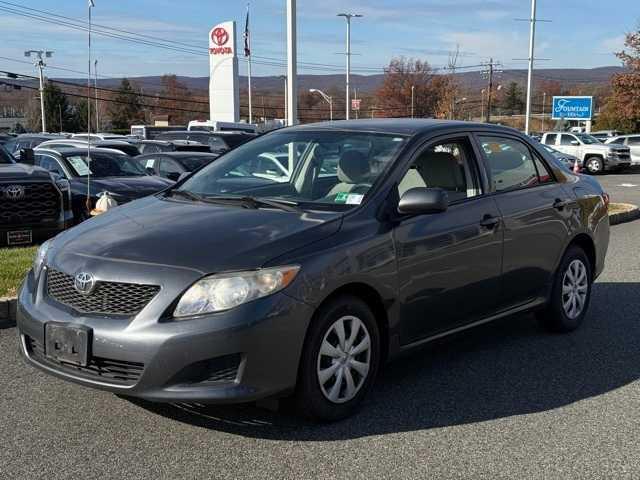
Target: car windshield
5, 157
105, 165
329, 169
588, 139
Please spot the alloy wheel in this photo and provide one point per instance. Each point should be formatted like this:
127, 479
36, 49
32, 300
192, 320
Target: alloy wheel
575, 286
594, 165
344, 359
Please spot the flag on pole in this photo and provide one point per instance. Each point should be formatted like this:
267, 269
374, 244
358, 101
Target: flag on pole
247, 36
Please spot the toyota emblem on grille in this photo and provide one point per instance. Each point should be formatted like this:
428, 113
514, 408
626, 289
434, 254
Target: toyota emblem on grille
84, 283
14, 192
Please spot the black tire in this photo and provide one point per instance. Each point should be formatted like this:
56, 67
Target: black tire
594, 165
555, 317
310, 398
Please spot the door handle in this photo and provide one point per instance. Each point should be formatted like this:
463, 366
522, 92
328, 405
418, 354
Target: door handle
489, 221
560, 204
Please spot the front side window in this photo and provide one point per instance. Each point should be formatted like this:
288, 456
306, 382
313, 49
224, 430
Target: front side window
49, 163
5, 156
105, 165
445, 165
633, 141
567, 139
324, 168
511, 164
168, 166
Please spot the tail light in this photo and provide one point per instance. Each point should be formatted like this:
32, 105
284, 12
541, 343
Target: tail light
606, 200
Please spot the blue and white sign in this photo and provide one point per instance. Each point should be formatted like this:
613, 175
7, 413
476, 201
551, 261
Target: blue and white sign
572, 108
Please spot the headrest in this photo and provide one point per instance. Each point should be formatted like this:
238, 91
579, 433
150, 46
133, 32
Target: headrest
353, 167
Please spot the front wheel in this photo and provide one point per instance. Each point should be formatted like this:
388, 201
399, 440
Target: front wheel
594, 165
571, 293
340, 359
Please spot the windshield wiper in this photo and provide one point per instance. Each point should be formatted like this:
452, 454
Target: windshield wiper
187, 194
255, 203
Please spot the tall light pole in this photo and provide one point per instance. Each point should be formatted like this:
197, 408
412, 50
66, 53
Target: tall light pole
90, 5
348, 17
413, 100
95, 84
532, 38
286, 96
482, 103
292, 64
40, 66
544, 101
327, 99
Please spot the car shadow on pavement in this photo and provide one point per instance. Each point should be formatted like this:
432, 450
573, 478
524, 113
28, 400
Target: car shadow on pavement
510, 367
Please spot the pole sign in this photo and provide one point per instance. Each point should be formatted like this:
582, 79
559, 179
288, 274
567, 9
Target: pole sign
224, 90
572, 108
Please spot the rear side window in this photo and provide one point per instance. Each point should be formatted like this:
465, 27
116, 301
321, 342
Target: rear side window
550, 139
511, 163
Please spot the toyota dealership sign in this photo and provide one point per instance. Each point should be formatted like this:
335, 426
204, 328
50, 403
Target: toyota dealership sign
224, 92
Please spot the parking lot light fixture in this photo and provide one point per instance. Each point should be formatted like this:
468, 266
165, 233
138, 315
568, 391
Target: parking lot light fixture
348, 17
327, 98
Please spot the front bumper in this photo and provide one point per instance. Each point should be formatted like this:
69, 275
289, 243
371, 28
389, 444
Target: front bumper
39, 231
252, 351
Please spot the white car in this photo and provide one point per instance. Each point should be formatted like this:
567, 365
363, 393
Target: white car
631, 141
98, 136
594, 156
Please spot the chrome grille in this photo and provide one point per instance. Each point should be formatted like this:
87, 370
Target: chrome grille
40, 202
108, 298
102, 369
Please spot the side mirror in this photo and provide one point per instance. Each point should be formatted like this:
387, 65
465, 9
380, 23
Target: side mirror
175, 176
27, 156
575, 142
421, 200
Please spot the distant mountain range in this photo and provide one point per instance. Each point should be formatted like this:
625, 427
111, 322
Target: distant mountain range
369, 83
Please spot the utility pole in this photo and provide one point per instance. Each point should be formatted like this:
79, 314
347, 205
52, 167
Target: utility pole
482, 103
348, 17
491, 68
95, 84
532, 37
40, 66
292, 64
544, 101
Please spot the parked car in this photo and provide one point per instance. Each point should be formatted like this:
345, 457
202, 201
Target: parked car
172, 165
34, 205
98, 136
230, 287
124, 147
110, 171
565, 159
155, 146
594, 156
29, 140
5, 137
604, 135
631, 141
219, 142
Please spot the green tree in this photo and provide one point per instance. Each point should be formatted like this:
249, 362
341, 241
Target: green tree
57, 110
513, 101
126, 108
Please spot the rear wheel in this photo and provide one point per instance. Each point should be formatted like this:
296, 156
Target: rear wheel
340, 359
594, 165
571, 293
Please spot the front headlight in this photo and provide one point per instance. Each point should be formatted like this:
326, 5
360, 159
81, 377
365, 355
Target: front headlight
41, 255
217, 293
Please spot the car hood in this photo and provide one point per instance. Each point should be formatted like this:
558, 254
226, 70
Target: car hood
20, 171
204, 237
129, 188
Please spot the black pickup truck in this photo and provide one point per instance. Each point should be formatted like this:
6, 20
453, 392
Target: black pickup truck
34, 204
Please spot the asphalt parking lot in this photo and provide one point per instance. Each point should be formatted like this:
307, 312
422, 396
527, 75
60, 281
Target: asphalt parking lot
506, 400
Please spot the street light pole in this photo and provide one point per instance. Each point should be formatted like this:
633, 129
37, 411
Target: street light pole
40, 66
413, 98
95, 84
292, 64
327, 99
482, 103
348, 17
532, 38
544, 101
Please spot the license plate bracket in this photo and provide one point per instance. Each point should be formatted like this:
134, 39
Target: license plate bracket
19, 237
67, 343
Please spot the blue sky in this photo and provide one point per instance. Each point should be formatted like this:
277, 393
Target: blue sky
583, 33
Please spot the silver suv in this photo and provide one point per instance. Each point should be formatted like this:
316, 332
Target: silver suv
594, 156
631, 141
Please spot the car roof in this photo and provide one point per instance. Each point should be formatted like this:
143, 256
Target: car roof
68, 151
206, 132
400, 126
179, 154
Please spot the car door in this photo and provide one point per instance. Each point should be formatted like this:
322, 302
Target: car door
449, 264
535, 210
566, 145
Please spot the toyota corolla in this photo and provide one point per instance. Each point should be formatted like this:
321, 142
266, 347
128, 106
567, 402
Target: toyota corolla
233, 286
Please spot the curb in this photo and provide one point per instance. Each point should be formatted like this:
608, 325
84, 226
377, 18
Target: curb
623, 217
8, 312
